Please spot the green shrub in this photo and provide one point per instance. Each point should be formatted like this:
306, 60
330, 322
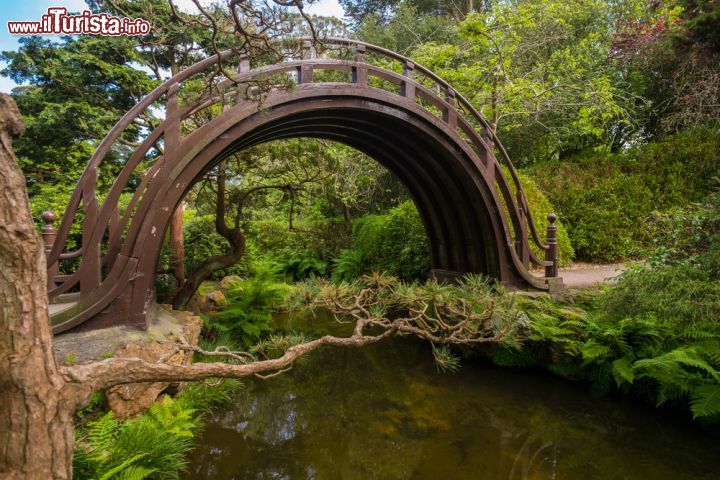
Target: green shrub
540, 208
608, 201
680, 168
395, 242
270, 235
607, 221
250, 303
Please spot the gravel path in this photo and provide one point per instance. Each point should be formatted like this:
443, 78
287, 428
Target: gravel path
585, 275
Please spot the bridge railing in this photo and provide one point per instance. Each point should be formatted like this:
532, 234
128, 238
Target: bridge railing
106, 226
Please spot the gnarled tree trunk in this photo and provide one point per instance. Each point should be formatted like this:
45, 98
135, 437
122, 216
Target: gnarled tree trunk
36, 438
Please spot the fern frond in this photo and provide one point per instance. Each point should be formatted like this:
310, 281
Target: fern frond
136, 472
119, 468
705, 401
622, 371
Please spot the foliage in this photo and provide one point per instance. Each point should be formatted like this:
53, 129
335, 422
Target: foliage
655, 334
611, 203
301, 264
78, 88
202, 241
347, 266
642, 354
408, 28
471, 313
250, 304
540, 208
395, 242
152, 446
539, 72
671, 50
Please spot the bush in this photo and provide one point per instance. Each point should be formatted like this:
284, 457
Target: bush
608, 201
540, 208
680, 168
269, 235
606, 221
250, 303
395, 242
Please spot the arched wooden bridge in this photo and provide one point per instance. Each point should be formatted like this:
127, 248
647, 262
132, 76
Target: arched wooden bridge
372, 99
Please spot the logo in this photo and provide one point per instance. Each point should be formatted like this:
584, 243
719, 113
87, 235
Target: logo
57, 21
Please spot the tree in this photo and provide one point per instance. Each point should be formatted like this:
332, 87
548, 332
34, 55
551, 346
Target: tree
540, 72
382, 12
672, 52
78, 88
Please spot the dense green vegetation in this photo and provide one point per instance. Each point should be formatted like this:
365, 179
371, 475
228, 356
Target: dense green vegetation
655, 334
611, 202
151, 446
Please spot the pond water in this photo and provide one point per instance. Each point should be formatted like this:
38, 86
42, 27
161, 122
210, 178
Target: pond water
385, 412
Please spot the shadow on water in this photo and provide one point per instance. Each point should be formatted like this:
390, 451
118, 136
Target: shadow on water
385, 412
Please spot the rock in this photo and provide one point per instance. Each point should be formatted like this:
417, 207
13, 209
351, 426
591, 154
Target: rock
227, 282
534, 294
522, 327
215, 299
167, 329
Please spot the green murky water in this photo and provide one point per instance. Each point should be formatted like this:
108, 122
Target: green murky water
384, 412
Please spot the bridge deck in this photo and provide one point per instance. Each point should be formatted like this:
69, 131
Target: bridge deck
59, 307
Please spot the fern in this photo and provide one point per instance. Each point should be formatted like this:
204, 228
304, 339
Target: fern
136, 472
101, 435
592, 350
127, 470
705, 401
246, 316
174, 417
347, 266
623, 372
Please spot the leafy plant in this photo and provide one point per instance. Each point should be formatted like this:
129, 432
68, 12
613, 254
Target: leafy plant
301, 264
152, 446
395, 242
250, 303
347, 266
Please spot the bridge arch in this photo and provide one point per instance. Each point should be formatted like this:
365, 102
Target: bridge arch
430, 137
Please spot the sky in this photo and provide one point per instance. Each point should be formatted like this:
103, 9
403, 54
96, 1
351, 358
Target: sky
14, 10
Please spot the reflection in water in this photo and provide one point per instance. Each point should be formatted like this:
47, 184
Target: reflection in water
384, 412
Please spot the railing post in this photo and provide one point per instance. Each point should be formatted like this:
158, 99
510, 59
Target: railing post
551, 254
49, 233
450, 115
241, 90
359, 74
305, 72
90, 264
407, 88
